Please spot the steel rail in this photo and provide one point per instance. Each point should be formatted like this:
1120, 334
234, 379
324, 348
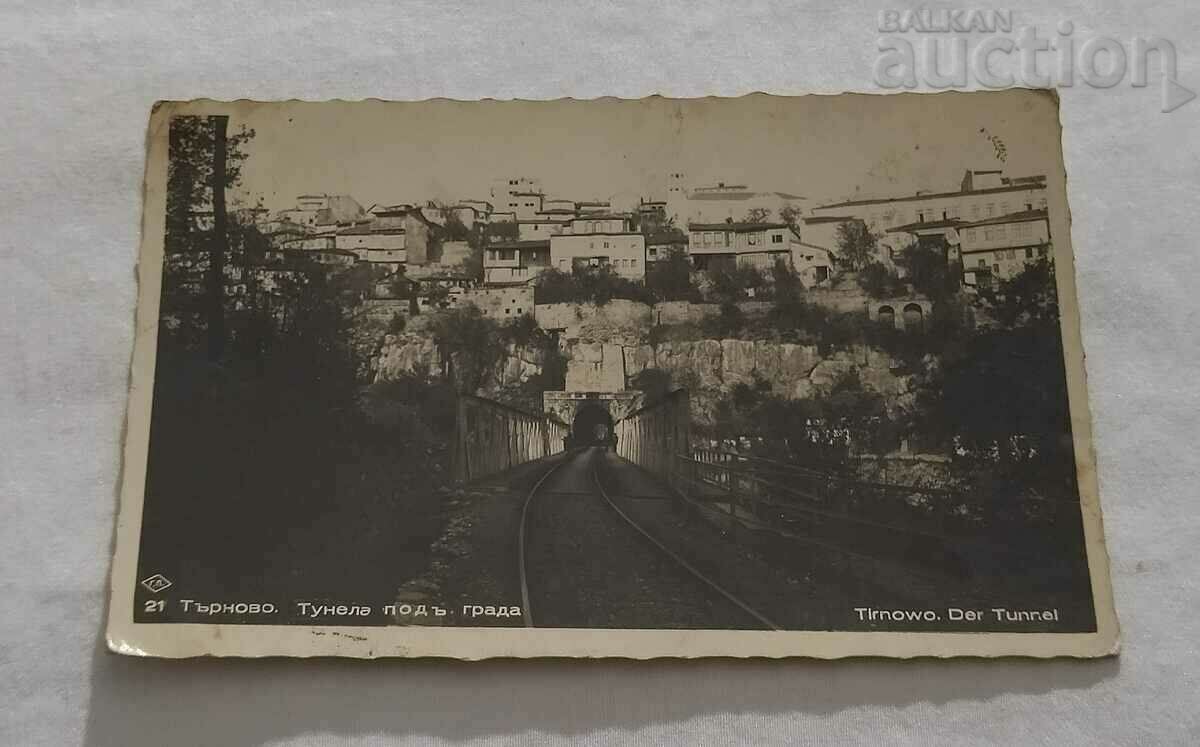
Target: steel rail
526, 608
679, 560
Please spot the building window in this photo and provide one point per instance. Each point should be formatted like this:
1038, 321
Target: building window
776, 238
982, 262
753, 239
1029, 252
633, 263
989, 209
996, 269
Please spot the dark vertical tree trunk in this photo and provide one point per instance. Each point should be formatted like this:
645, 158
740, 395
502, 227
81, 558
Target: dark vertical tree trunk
218, 246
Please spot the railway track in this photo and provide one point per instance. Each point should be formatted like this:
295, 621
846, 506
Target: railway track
585, 562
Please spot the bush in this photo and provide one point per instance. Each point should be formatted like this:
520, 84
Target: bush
822, 428
734, 283
730, 322
588, 285
397, 324
670, 278
881, 282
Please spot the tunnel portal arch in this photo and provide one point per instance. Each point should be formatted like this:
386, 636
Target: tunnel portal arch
592, 425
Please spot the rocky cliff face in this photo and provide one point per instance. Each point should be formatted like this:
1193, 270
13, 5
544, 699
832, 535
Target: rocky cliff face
408, 354
710, 368
793, 371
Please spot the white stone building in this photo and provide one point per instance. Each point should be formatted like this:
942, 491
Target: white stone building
600, 240
515, 262
999, 248
520, 195
732, 244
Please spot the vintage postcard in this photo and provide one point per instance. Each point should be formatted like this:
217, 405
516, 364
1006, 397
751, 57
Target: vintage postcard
763, 376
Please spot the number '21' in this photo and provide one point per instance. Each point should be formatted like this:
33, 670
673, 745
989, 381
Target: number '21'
155, 605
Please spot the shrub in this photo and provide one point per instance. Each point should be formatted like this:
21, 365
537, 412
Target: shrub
880, 281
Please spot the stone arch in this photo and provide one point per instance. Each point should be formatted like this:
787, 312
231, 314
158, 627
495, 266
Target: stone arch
914, 317
886, 316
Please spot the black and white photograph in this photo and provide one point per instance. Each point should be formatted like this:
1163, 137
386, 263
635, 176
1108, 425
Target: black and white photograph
571, 378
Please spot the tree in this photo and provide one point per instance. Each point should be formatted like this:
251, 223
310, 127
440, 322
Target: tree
656, 222
471, 343
653, 383
453, 229
732, 284
555, 286
729, 321
999, 396
928, 268
856, 245
786, 284
880, 281
791, 215
757, 215
438, 296
204, 161
218, 241
670, 278
1028, 298
597, 285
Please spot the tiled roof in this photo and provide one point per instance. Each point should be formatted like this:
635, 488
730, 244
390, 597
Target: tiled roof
911, 227
722, 195
667, 237
1019, 217
807, 245
1011, 187
736, 227
603, 216
528, 244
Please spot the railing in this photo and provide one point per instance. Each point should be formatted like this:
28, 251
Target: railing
491, 437
785, 495
651, 436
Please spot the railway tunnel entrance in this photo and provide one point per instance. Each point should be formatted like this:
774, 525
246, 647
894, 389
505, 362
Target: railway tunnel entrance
591, 416
592, 426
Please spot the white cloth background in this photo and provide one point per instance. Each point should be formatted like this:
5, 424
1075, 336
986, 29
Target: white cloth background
78, 80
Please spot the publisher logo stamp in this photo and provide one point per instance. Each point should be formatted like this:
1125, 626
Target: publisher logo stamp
156, 583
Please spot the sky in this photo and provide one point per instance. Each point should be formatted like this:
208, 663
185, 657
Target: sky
825, 148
